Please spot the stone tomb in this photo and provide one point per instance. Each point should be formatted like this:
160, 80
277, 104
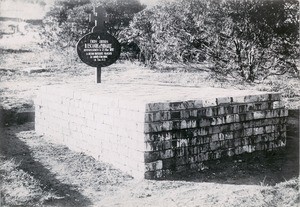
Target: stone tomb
151, 131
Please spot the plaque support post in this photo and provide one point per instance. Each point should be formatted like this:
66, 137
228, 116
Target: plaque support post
98, 75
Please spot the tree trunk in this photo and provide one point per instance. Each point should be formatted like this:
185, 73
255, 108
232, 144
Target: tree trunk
251, 76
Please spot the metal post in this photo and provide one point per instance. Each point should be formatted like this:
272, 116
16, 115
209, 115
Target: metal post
98, 75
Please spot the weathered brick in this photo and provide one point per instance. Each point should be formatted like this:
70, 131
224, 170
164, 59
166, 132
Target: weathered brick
151, 156
213, 145
257, 106
283, 113
230, 109
242, 108
238, 134
238, 99
230, 152
258, 130
193, 113
224, 100
158, 136
183, 114
176, 125
221, 110
177, 135
158, 173
221, 136
275, 96
153, 166
242, 117
249, 116
215, 111
215, 137
169, 164
203, 156
217, 121
148, 117
209, 112
176, 106
282, 128
239, 150
165, 154
269, 129
251, 98
245, 140
228, 135
236, 126
225, 128
259, 114
182, 143
181, 161
188, 124
204, 147
198, 104
250, 107
229, 118
209, 102
157, 107
158, 145
248, 132
204, 139
175, 114
277, 105
189, 104
237, 142
149, 175
203, 122
161, 116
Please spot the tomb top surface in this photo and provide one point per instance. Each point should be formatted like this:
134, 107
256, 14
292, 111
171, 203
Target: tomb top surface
144, 93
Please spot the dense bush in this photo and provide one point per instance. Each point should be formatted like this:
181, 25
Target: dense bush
250, 39
68, 20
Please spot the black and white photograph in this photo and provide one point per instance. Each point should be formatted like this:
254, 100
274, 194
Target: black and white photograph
149, 103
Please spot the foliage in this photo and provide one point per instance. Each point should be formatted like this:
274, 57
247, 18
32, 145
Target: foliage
254, 38
250, 39
166, 32
68, 20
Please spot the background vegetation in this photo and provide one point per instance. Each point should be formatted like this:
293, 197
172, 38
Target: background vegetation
246, 39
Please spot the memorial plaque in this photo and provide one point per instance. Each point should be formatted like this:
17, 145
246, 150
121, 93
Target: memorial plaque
98, 49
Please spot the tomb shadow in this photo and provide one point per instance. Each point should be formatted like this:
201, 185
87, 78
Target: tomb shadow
11, 147
258, 168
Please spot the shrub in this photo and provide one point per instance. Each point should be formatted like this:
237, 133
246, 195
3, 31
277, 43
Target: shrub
68, 20
247, 39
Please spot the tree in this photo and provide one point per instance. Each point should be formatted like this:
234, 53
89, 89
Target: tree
168, 32
247, 39
256, 39
68, 20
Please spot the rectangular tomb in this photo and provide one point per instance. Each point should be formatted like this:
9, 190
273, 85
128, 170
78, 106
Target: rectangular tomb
152, 131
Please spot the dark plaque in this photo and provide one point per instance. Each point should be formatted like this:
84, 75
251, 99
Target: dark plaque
98, 49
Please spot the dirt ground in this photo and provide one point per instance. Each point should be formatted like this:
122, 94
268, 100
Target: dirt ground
35, 172
61, 177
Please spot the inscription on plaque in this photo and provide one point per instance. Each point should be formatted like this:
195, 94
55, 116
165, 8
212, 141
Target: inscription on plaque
98, 49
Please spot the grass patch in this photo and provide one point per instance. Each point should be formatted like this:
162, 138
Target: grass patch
20, 188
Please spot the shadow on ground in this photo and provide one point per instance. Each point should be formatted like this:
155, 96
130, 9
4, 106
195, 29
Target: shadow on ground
13, 147
262, 168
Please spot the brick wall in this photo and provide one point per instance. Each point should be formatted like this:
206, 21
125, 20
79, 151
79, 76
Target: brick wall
152, 131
